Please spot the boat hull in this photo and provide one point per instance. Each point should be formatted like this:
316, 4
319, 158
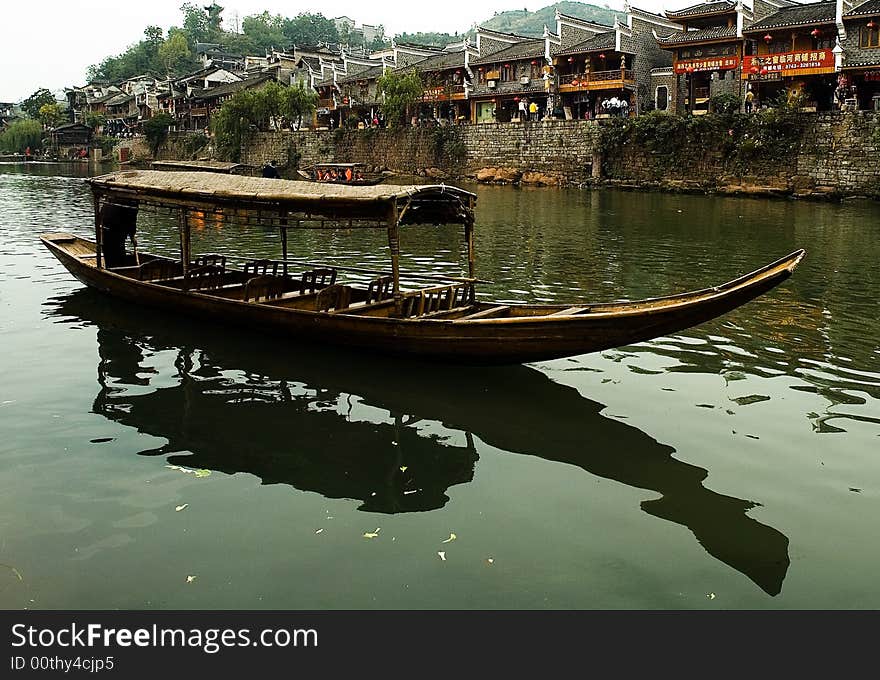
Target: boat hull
520, 339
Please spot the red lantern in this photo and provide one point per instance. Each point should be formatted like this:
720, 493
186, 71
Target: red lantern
754, 69
534, 61
872, 24
481, 69
458, 70
516, 99
574, 82
570, 60
602, 56
815, 33
507, 66
764, 71
768, 38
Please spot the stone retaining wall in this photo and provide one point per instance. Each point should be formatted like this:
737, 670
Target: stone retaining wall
839, 154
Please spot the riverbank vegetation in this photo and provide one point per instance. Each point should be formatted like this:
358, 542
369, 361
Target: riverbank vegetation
273, 106
771, 134
21, 135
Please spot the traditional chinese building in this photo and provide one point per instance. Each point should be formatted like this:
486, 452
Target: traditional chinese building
609, 73
447, 83
794, 51
509, 70
859, 80
708, 49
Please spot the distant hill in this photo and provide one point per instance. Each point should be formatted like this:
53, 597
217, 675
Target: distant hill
522, 22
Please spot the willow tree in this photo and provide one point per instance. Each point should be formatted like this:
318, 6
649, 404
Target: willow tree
261, 109
399, 91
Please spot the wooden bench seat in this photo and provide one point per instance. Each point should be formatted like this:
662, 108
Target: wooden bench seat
571, 311
487, 313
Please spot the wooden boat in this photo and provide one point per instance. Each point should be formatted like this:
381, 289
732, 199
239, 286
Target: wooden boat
202, 166
352, 174
440, 321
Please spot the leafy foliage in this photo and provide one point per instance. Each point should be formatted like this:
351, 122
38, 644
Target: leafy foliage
771, 134
724, 103
174, 53
156, 131
523, 22
251, 110
20, 135
51, 115
434, 39
399, 91
447, 145
308, 28
95, 120
31, 105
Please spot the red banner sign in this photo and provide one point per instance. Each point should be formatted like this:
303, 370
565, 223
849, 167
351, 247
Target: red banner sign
707, 64
790, 63
873, 76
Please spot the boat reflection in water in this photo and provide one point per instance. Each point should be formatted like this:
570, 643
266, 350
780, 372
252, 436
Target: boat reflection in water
245, 403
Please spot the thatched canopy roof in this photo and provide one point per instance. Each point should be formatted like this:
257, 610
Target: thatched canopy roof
417, 204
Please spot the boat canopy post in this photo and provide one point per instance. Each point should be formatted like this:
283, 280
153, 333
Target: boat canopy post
99, 241
394, 247
183, 228
283, 227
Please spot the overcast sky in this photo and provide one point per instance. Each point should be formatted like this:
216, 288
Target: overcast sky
52, 43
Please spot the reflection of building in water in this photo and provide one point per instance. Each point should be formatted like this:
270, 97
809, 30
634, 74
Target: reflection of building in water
275, 413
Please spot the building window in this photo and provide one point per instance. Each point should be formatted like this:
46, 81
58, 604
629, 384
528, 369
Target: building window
869, 37
825, 43
779, 47
661, 98
535, 72
508, 72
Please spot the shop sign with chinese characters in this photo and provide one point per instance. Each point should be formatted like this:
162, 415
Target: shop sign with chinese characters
708, 64
789, 63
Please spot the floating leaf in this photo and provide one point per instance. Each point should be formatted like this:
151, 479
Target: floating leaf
181, 507
751, 399
372, 534
13, 570
711, 596
318, 531
451, 538
442, 555
191, 578
490, 560
403, 468
189, 471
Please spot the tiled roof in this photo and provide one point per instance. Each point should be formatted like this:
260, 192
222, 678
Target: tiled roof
858, 58
368, 74
869, 7
525, 50
441, 62
230, 88
702, 35
797, 15
720, 7
603, 41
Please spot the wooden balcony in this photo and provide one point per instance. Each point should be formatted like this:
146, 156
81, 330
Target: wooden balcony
596, 80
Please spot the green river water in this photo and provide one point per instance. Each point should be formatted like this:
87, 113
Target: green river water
734, 465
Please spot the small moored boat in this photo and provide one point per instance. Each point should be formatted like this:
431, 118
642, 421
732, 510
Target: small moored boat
353, 174
309, 300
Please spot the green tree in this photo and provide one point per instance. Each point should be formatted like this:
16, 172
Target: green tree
399, 91
95, 120
20, 135
31, 105
308, 28
156, 131
434, 39
51, 115
202, 23
140, 58
298, 102
264, 31
174, 52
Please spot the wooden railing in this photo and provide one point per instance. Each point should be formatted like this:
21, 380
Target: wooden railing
595, 77
437, 299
